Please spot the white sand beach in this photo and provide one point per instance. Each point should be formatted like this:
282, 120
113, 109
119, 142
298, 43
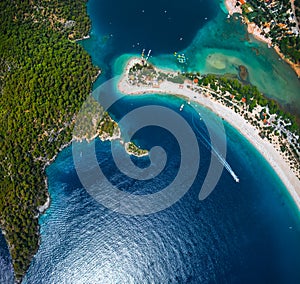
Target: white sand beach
274, 158
232, 8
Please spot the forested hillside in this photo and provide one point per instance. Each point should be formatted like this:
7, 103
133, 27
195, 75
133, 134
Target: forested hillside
44, 78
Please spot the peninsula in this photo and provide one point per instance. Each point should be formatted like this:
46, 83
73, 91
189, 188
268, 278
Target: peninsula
274, 133
45, 77
93, 121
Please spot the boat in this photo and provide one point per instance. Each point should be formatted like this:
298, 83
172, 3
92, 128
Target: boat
180, 57
181, 107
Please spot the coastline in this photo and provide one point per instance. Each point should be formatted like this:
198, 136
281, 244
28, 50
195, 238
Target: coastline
24, 244
253, 29
295, 67
251, 133
43, 208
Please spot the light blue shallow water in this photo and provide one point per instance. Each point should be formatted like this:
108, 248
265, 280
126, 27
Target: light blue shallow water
224, 44
242, 233
245, 232
219, 39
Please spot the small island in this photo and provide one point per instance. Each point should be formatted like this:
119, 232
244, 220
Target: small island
134, 150
272, 131
46, 76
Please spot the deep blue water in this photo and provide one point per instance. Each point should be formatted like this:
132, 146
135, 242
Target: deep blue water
6, 270
206, 33
120, 27
163, 26
245, 232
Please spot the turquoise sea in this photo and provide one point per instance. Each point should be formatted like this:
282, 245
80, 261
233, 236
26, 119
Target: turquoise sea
220, 42
246, 232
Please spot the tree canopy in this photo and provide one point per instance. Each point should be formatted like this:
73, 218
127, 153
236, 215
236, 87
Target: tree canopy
44, 78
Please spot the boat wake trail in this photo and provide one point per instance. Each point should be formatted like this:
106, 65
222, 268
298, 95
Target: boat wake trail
215, 152
226, 165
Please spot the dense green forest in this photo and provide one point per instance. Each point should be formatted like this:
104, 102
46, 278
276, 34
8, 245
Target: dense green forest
44, 79
290, 46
